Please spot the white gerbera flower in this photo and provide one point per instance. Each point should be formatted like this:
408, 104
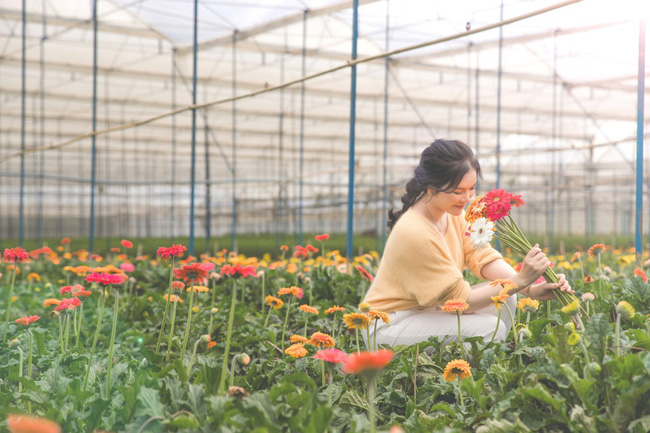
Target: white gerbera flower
481, 232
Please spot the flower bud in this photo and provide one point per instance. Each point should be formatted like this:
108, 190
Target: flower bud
178, 285
14, 341
206, 338
195, 310
625, 310
214, 310
244, 358
523, 332
54, 314
573, 339
594, 368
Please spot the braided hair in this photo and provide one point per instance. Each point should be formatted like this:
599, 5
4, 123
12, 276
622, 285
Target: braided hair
443, 164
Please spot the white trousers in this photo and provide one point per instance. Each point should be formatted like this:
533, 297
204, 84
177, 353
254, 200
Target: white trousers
417, 325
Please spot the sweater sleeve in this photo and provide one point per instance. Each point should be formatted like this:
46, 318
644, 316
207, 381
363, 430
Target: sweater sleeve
475, 259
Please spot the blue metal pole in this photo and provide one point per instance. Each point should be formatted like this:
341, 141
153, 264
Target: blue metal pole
21, 222
639, 142
384, 208
234, 143
353, 113
193, 169
302, 124
499, 76
93, 175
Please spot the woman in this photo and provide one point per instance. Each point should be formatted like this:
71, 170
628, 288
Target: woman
427, 249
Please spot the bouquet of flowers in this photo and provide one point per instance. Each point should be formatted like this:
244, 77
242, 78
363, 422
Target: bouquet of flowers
489, 217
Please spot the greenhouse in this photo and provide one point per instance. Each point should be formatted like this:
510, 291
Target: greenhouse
266, 141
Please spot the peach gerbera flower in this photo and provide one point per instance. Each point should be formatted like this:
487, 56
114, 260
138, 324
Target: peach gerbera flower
457, 367
296, 350
293, 290
334, 309
308, 309
455, 305
320, 339
596, 249
500, 298
379, 315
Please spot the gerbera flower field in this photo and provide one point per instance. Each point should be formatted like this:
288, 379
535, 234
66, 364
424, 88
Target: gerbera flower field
228, 343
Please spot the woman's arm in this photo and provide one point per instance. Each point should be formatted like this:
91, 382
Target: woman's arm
533, 266
534, 262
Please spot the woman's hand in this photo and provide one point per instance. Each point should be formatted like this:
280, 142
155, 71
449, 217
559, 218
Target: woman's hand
545, 291
533, 266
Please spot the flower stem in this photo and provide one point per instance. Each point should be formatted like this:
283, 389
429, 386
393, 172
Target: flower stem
189, 367
496, 327
29, 366
169, 295
171, 328
231, 318
81, 312
286, 318
329, 384
11, 296
618, 335
460, 337
20, 368
189, 322
268, 316
92, 350
371, 404
111, 345
460, 394
232, 370
356, 331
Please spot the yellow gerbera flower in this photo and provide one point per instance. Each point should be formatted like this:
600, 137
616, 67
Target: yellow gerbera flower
457, 367
528, 305
356, 320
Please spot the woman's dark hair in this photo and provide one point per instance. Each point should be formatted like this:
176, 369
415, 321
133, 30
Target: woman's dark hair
442, 166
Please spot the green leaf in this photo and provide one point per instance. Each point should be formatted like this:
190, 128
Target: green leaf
182, 422
149, 403
353, 399
541, 393
640, 425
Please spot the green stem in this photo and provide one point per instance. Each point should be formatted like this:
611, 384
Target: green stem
112, 344
75, 330
189, 322
61, 333
527, 317
496, 328
169, 295
587, 360
618, 335
92, 350
512, 321
286, 318
171, 329
20, 368
460, 337
29, 367
66, 336
263, 290
11, 295
371, 404
231, 318
330, 372
268, 316
460, 394
232, 370
374, 337
189, 367
368, 336
356, 331
81, 312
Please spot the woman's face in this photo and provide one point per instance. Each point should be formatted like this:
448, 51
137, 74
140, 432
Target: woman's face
454, 202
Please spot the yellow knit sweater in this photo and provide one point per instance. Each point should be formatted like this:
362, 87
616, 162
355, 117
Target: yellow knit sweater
420, 267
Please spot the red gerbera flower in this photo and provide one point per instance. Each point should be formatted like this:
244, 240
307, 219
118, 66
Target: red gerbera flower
126, 244
238, 271
497, 204
596, 249
367, 361
301, 252
106, 279
322, 237
31, 424
194, 272
639, 273
173, 251
65, 241
27, 320
16, 254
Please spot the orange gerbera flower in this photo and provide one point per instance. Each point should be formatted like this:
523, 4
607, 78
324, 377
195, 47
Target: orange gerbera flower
51, 301
596, 249
454, 305
308, 309
588, 279
367, 361
356, 320
576, 257
334, 309
31, 424
457, 367
293, 290
320, 339
193, 272
508, 284
295, 338
173, 298
296, 350
379, 315
500, 298
639, 273
33, 276
274, 302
